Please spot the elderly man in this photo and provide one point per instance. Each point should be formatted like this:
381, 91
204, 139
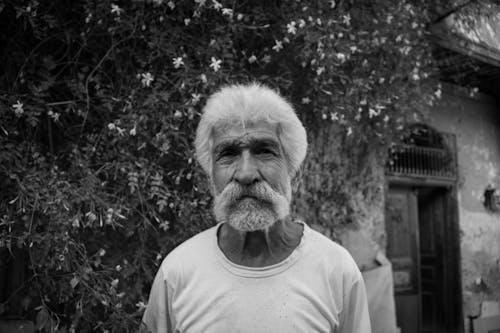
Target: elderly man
258, 269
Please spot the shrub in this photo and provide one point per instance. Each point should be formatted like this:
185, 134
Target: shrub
99, 104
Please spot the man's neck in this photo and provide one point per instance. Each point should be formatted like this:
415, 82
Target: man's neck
260, 248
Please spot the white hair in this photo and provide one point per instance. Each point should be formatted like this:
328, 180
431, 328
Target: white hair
249, 104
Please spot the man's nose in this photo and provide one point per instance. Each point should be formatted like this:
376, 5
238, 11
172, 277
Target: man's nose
247, 171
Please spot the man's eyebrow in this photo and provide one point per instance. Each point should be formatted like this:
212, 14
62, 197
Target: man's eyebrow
236, 143
268, 143
225, 145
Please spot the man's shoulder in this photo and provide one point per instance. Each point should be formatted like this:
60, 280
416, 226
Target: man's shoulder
192, 249
331, 253
326, 245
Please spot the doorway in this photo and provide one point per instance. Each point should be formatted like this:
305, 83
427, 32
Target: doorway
423, 246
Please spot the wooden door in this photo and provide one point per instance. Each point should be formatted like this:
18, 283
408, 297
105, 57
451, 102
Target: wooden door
432, 220
403, 252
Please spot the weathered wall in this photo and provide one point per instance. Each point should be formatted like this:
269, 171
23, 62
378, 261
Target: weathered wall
341, 194
476, 123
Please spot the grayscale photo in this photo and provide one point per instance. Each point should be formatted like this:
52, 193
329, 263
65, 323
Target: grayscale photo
263, 166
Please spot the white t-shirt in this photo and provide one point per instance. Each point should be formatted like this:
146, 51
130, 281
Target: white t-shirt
318, 288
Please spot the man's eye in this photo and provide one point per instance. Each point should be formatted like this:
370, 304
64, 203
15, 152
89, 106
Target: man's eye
227, 153
265, 151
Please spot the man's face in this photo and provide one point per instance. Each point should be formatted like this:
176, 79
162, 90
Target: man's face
250, 176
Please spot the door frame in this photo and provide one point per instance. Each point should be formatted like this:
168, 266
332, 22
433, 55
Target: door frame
452, 272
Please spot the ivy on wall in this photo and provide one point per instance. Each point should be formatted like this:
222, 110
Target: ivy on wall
99, 101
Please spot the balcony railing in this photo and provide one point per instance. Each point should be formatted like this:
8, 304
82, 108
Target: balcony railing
416, 161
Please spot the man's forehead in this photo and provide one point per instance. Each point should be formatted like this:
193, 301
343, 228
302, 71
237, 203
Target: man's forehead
237, 131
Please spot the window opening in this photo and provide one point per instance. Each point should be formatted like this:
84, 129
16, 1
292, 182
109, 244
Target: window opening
424, 152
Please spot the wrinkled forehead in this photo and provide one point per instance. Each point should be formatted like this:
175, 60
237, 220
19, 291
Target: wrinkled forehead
238, 130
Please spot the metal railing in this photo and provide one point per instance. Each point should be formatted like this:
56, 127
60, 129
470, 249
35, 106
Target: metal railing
416, 161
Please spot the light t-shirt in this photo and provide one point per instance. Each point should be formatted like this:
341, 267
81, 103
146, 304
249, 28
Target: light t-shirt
318, 288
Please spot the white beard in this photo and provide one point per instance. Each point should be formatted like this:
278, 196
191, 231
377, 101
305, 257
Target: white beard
250, 214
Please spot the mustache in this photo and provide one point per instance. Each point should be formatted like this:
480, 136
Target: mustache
260, 191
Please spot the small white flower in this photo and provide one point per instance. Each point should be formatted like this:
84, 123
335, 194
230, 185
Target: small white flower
114, 283
386, 118
102, 252
121, 131
302, 23
353, 49
239, 17
438, 93
177, 114
346, 19
146, 79
334, 116
158, 256
291, 28
473, 92
178, 62
118, 268
332, 4
278, 46
266, 58
252, 59
341, 57
349, 131
133, 131
88, 18
372, 113
171, 4
187, 21
164, 225
116, 10
217, 4
196, 98
141, 305
363, 102
53, 115
415, 76
320, 70
324, 116
203, 78
18, 108
389, 19
215, 64
306, 100
111, 126
227, 12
